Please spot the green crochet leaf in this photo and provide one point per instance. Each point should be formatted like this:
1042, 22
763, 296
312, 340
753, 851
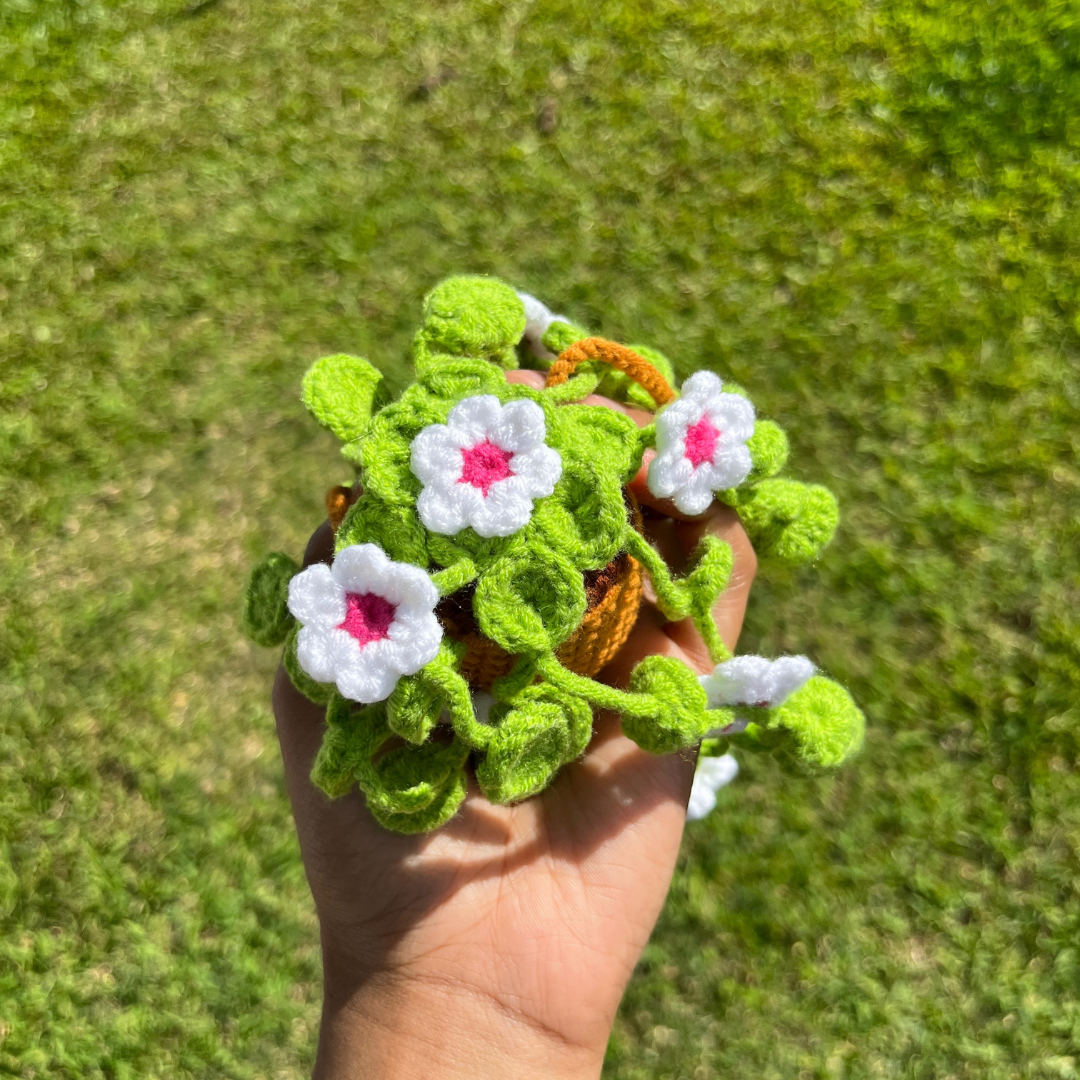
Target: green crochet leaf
788, 521
454, 378
352, 735
560, 335
408, 779
826, 721
412, 710
545, 728
680, 717
436, 814
473, 316
395, 527
585, 517
530, 603
266, 614
768, 448
338, 391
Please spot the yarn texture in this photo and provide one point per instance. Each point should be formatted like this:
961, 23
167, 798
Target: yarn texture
490, 562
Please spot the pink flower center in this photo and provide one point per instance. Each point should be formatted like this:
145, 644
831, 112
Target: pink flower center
367, 617
484, 464
701, 441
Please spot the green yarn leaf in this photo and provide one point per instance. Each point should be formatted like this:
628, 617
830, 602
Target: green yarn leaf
395, 527
266, 616
408, 779
436, 814
608, 440
318, 692
454, 378
584, 518
560, 335
413, 708
352, 735
475, 316
530, 603
768, 448
788, 521
339, 391
545, 728
824, 718
680, 719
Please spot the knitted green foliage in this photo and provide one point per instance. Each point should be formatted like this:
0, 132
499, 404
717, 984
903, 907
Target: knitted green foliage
524, 584
681, 718
826, 721
544, 729
338, 391
471, 316
266, 613
561, 335
768, 448
788, 521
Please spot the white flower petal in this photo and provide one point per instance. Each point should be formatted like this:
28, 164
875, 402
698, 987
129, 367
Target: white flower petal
669, 471
506, 509
441, 511
436, 455
370, 678
322, 653
358, 567
712, 774
446, 505
672, 474
315, 598
539, 469
369, 672
413, 643
729, 467
756, 680
701, 385
520, 427
473, 418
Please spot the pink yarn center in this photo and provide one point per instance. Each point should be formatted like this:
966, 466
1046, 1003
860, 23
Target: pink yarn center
701, 441
485, 464
367, 617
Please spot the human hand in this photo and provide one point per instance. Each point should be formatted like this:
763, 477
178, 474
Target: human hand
501, 944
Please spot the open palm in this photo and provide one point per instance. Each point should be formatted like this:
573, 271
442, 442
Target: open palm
501, 944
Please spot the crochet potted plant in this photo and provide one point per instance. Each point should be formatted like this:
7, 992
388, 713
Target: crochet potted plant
490, 562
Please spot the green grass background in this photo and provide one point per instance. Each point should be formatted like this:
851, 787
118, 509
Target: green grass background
865, 212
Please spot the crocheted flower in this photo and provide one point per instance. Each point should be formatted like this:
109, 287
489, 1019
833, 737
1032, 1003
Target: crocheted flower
366, 621
484, 467
755, 680
712, 774
701, 444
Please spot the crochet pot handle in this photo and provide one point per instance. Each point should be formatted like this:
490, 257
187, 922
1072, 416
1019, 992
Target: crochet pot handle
618, 356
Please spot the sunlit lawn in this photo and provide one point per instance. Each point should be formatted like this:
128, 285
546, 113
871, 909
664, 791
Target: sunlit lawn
865, 213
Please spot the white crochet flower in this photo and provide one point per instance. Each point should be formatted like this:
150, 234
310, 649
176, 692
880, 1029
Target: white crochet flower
366, 621
755, 680
484, 467
712, 774
701, 444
